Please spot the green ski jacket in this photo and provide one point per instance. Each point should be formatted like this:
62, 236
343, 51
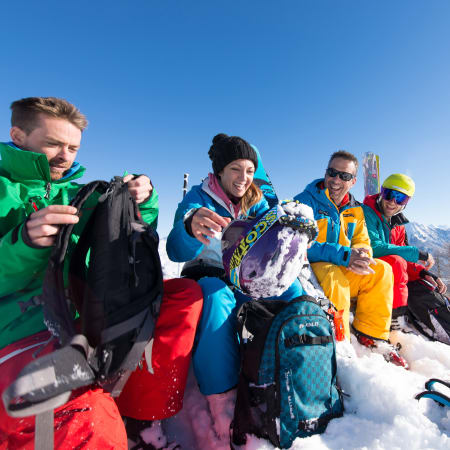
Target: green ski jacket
25, 185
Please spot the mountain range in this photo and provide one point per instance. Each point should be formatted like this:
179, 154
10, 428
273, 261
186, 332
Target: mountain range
436, 240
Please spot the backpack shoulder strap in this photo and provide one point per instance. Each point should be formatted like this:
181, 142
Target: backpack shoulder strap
57, 314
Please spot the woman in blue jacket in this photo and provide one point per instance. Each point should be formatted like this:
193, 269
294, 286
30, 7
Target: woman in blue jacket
224, 195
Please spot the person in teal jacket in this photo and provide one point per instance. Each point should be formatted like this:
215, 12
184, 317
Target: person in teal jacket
386, 226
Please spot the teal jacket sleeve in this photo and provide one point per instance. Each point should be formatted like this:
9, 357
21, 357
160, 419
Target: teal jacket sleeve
379, 239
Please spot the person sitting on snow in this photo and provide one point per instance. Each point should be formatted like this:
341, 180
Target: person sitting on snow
386, 225
341, 257
37, 179
226, 194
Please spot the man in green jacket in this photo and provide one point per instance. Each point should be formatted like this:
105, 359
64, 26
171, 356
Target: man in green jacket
37, 182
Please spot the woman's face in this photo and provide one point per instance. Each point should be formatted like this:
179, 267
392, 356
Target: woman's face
236, 177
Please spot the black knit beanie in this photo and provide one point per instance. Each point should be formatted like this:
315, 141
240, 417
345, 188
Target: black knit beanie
226, 149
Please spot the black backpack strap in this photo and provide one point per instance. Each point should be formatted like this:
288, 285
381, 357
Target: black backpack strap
304, 339
58, 316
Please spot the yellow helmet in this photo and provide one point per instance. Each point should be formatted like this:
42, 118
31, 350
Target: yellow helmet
401, 183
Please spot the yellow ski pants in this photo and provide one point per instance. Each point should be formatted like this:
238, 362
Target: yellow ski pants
374, 294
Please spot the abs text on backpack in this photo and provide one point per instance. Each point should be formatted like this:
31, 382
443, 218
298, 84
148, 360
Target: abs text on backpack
117, 295
287, 384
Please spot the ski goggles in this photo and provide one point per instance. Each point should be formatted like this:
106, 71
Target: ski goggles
399, 197
344, 176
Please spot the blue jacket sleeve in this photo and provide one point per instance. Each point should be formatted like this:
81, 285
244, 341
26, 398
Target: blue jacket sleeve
380, 242
324, 251
333, 253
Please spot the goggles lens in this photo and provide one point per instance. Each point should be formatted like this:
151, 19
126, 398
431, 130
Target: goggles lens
344, 176
399, 197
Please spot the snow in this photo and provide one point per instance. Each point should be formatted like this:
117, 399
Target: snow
380, 412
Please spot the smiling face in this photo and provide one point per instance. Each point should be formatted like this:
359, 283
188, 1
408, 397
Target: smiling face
236, 177
337, 188
58, 139
390, 207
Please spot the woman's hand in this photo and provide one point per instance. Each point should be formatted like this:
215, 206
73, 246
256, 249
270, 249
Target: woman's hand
206, 223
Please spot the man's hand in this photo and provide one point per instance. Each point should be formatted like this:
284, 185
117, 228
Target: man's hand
140, 187
429, 263
206, 223
42, 226
360, 261
437, 283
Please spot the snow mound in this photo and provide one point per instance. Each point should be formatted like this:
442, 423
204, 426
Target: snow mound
380, 410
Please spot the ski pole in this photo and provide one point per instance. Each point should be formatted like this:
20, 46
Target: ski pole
185, 184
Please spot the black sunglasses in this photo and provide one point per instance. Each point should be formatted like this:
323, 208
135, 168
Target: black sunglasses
344, 176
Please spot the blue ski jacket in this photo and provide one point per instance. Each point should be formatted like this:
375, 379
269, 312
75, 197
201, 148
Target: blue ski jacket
181, 246
340, 229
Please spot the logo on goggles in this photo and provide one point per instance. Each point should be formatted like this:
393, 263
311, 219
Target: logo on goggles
247, 242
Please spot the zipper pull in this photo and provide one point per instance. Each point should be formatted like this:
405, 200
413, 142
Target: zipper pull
47, 191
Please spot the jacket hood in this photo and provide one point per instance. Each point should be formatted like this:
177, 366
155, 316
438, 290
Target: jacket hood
24, 165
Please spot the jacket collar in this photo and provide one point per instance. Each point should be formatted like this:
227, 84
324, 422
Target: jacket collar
24, 165
318, 191
213, 189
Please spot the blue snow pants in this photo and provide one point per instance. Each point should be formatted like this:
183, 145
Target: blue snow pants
216, 355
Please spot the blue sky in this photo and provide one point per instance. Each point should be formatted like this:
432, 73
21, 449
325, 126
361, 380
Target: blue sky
299, 79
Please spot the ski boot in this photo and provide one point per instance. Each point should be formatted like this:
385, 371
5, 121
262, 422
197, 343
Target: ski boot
384, 348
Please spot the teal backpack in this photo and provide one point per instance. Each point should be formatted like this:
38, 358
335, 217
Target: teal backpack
287, 384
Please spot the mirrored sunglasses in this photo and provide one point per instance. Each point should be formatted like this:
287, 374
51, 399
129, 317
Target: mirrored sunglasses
399, 197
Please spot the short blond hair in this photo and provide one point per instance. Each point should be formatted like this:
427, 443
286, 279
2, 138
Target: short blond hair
25, 112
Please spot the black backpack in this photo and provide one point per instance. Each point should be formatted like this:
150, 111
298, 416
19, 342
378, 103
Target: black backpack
287, 385
117, 296
429, 311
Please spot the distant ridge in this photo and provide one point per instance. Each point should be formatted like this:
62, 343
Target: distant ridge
436, 240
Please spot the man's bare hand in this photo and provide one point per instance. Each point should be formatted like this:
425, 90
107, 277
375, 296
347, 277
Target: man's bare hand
140, 187
438, 284
43, 225
206, 223
360, 262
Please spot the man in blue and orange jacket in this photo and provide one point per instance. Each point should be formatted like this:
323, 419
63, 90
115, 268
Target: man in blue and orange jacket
341, 257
